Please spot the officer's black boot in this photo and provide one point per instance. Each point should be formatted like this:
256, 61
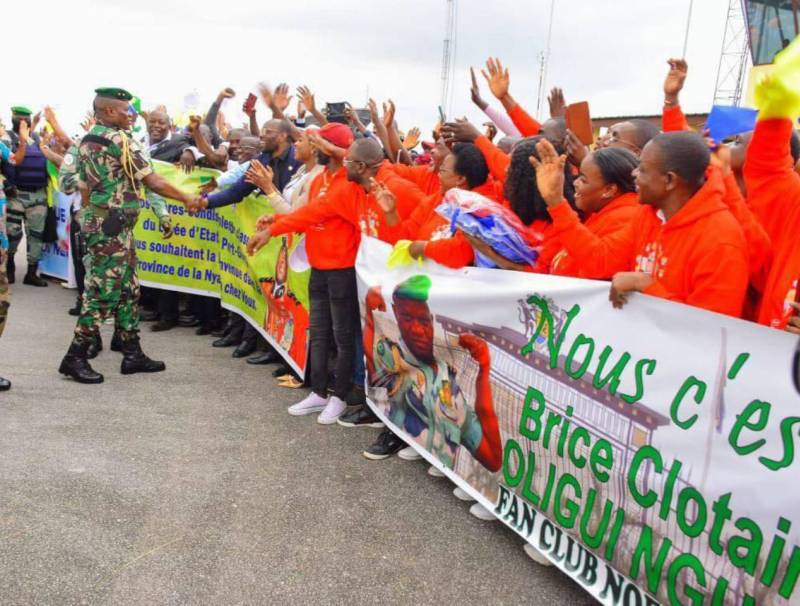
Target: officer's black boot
76, 310
134, 360
31, 279
76, 365
116, 342
95, 347
11, 269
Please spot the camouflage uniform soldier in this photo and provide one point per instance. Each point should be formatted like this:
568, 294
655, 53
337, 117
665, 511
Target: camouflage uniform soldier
6, 156
112, 170
27, 198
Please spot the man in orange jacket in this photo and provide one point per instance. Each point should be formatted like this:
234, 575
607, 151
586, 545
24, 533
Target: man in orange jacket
333, 224
773, 194
683, 245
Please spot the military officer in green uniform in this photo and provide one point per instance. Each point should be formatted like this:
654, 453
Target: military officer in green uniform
112, 172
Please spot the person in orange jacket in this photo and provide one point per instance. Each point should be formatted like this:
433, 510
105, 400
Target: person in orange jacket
425, 176
464, 168
729, 161
773, 193
683, 245
333, 295
605, 191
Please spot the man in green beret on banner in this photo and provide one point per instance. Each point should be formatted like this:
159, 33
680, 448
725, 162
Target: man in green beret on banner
26, 189
113, 172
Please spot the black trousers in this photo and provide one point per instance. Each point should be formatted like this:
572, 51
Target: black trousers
333, 296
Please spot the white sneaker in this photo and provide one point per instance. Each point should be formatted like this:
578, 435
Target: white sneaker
332, 411
461, 494
310, 404
480, 512
409, 454
435, 472
535, 555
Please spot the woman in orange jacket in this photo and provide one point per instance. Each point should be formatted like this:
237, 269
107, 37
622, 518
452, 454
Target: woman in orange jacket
605, 191
683, 244
464, 168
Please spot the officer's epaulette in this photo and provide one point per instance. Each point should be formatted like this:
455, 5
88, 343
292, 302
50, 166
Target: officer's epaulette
96, 139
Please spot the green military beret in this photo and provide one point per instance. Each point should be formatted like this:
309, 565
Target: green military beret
415, 288
19, 110
114, 93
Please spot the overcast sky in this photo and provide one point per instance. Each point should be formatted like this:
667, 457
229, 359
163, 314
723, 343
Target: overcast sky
609, 52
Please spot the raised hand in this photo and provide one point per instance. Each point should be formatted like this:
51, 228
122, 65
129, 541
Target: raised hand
226, 93
36, 118
307, 97
460, 131
388, 114
194, 123
260, 176
301, 109
50, 116
88, 122
383, 196
491, 130
549, 169
266, 93
374, 116
476, 347
412, 138
281, 97
558, 106
676, 76
576, 150
497, 77
475, 92
24, 131
352, 117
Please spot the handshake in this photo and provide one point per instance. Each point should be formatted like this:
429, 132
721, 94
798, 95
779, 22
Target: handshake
195, 204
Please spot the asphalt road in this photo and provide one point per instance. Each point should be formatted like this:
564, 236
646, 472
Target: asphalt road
194, 486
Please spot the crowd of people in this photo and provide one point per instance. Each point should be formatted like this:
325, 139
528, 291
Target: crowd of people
662, 211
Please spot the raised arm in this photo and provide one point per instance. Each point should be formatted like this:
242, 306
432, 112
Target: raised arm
498, 79
672, 118
310, 104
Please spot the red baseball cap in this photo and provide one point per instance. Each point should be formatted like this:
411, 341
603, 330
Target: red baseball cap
337, 133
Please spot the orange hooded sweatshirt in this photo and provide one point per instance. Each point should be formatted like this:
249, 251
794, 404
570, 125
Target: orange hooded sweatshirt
333, 222
773, 193
615, 216
421, 176
496, 159
698, 257
450, 250
759, 246
524, 122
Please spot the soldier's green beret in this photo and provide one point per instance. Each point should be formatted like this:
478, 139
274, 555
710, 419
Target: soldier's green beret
415, 288
114, 93
19, 110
